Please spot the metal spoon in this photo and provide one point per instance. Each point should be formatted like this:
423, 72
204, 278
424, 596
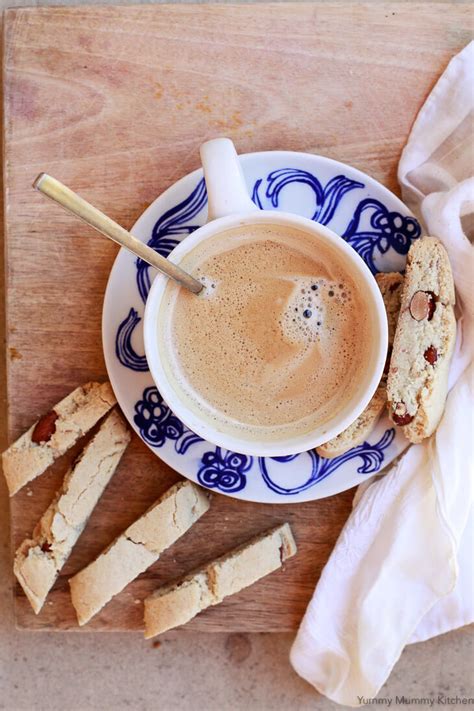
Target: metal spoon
72, 202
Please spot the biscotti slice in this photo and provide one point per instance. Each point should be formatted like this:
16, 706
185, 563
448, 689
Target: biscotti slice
176, 604
390, 285
55, 433
137, 548
38, 560
424, 341
359, 430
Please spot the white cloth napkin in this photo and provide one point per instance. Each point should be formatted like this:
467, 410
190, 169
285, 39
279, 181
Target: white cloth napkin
402, 568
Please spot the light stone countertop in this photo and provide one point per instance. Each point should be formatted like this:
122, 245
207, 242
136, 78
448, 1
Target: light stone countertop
57, 671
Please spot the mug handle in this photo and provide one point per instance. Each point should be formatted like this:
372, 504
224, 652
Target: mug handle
227, 192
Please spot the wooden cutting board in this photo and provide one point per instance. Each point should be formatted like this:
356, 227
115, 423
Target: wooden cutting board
115, 101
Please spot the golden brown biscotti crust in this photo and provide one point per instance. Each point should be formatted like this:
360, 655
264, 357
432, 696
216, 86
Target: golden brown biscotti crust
390, 285
39, 559
140, 545
359, 430
424, 341
176, 604
56, 432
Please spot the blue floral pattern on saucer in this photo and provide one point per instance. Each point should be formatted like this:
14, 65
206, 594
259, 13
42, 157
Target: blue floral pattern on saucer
372, 220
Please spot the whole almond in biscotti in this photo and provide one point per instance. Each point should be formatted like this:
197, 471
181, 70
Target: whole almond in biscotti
45, 428
417, 381
422, 305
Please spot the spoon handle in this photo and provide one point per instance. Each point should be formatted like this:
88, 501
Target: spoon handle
72, 202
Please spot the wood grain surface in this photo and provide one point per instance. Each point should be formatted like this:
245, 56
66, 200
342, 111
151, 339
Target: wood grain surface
115, 101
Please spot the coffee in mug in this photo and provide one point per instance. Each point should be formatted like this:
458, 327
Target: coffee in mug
277, 341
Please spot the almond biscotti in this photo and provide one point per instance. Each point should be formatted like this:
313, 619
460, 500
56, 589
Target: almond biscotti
359, 430
55, 433
390, 285
424, 341
39, 560
177, 604
137, 548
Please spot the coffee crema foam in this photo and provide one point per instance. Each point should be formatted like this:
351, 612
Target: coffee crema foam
275, 342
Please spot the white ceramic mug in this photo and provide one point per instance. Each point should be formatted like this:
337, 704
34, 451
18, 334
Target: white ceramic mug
229, 205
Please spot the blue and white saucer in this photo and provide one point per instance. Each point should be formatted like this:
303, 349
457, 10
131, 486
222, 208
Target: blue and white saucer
363, 212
